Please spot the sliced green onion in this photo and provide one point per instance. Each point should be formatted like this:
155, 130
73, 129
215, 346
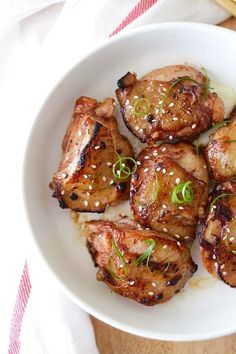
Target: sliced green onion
146, 254
217, 198
141, 107
112, 271
207, 84
186, 192
230, 141
183, 78
122, 258
120, 170
222, 123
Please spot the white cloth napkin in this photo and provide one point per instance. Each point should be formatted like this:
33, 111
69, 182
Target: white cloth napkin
38, 40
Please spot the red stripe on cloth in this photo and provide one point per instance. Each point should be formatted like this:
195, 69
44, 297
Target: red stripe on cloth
141, 7
19, 310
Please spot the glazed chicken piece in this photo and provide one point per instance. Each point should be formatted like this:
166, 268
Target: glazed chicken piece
221, 151
218, 238
169, 190
85, 180
170, 104
142, 265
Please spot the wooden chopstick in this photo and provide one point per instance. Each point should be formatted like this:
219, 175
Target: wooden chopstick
229, 5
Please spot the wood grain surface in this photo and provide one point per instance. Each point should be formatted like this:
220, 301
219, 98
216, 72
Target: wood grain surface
113, 341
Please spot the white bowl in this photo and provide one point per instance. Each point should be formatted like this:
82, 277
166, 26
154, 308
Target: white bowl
207, 307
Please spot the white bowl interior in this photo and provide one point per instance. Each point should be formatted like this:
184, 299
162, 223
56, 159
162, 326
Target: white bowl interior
206, 308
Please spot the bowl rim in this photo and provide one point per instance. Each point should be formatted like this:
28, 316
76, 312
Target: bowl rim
126, 33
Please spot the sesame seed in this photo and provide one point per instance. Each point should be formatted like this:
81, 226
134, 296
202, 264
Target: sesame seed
97, 147
178, 243
155, 153
64, 175
94, 166
222, 266
86, 176
79, 132
150, 293
146, 157
163, 149
90, 187
171, 104
140, 208
146, 169
164, 247
225, 237
135, 97
164, 206
141, 130
127, 101
104, 178
62, 192
194, 126
112, 181
155, 120
88, 194
137, 127
165, 229
86, 203
224, 273
216, 264
177, 181
97, 204
138, 163
181, 208
171, 173
204, 166
214, 256
171, 137
154, 284
228, 230
164, 171
158, 169
160, 102
109, 163
131, 282
174, 118
232, 238
177, 236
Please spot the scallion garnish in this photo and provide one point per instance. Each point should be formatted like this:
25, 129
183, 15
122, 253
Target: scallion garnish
164, 98
230, 141
119, 254
217, 198
121, 170
186, 193
146, 254
207, 84
141, 107
112, 271
224, 122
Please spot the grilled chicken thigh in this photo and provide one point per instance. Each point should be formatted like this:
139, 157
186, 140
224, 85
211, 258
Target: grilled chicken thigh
92, 144
218, 238
221, 151
171, 103
142, 265
169, 190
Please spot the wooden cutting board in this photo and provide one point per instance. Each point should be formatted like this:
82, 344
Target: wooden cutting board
113, 341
